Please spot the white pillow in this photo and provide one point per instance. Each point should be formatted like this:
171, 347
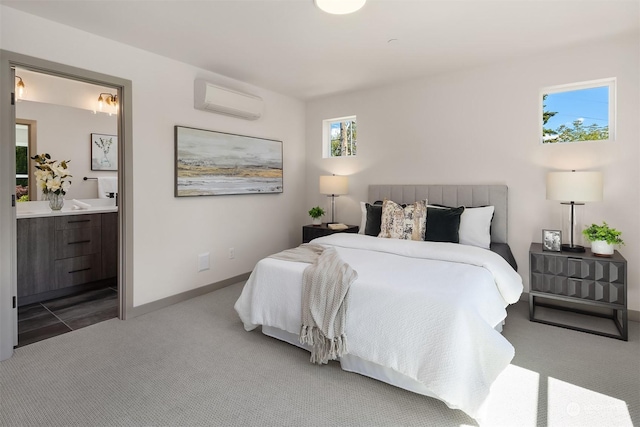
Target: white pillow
363, 219
475, 226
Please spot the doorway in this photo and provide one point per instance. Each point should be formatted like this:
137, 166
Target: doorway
8, 220
71, 284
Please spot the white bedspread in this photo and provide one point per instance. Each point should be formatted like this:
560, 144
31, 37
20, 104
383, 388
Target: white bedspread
424, 309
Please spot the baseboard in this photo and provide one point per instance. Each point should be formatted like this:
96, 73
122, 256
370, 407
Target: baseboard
632, 315
174, 299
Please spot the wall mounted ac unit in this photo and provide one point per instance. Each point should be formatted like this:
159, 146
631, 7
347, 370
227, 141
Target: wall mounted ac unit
216, 99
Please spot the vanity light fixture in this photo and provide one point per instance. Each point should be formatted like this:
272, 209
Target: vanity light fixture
339, 7
109, 99
20, 87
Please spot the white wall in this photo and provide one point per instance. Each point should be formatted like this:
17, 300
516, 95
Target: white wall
169, 232
65, 133
481, 126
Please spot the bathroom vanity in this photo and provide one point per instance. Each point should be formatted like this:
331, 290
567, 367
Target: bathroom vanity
63, 252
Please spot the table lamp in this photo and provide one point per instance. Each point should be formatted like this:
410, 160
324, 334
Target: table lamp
333, 186
573, 189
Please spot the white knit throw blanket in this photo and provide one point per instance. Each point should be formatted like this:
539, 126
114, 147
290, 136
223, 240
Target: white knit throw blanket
325, 298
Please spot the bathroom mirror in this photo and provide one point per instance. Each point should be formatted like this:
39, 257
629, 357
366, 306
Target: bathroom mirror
66, 113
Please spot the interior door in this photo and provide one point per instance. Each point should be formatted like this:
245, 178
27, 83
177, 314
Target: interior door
14, 252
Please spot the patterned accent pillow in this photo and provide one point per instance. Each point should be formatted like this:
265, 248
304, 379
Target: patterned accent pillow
408, 223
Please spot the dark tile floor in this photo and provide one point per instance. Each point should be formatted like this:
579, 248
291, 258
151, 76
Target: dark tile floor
47, 319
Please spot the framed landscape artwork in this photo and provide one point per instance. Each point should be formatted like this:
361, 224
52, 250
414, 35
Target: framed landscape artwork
210, 163
104, 152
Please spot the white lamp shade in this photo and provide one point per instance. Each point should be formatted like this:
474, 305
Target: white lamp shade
340, 7
574, 186
334, 185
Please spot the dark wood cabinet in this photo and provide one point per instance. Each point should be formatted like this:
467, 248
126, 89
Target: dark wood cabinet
58, 253
109, 245
35, 249
583, 279
310, 232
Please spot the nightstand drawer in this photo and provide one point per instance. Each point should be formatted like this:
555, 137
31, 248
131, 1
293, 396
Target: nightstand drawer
555, 265
581, 289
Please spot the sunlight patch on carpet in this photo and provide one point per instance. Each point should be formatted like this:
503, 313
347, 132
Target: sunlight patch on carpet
514, 395
572, 405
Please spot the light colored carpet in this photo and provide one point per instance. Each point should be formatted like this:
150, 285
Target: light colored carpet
193, 364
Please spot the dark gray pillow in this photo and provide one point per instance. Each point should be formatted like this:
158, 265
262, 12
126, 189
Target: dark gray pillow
374, 218
443, 224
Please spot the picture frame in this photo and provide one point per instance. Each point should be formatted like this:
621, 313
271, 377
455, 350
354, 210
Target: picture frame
212, 163
104, 152
552, 240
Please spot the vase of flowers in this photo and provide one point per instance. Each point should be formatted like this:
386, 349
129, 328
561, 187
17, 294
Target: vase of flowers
53, 179
56, 201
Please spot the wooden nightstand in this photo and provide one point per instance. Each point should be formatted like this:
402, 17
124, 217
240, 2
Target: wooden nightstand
310, 232
598, 284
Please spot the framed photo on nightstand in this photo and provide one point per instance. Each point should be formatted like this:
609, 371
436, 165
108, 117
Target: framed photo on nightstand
552, 240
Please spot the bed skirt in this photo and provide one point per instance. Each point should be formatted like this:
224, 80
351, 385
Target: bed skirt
357, 365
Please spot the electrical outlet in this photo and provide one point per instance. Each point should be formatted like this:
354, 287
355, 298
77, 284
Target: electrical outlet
232, 253
203, 261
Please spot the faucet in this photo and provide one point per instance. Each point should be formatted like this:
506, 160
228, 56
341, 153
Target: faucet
112, 195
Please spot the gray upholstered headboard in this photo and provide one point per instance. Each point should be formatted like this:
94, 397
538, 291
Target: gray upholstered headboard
452, 195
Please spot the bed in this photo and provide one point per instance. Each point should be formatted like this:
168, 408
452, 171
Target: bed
423, 316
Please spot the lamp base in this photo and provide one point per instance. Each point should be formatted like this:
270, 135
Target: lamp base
574, 248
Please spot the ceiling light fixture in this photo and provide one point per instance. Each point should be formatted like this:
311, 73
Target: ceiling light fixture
20, 87
109, 99
340, 7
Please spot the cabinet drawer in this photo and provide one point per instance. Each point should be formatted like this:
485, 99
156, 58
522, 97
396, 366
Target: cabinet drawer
77, 270
579, 289
77, 221
77, 241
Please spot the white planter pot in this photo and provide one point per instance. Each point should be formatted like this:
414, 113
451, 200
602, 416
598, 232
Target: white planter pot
316, 221
602, 248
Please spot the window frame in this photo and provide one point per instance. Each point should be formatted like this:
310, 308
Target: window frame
32, 133
609, 82
326, 136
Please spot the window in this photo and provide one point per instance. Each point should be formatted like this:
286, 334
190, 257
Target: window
22, 162
339, 137
578, 112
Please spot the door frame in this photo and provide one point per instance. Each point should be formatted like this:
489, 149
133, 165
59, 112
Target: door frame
8, 243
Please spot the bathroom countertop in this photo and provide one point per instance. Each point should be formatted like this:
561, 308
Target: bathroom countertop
41, 209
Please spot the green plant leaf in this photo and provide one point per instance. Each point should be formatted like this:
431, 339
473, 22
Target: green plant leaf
603, 233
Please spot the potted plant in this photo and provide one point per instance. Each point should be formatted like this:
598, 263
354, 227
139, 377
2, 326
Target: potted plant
315, 213
602, 238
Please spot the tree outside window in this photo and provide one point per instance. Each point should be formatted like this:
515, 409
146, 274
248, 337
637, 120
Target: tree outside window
578, 112
340, 137
22, 163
